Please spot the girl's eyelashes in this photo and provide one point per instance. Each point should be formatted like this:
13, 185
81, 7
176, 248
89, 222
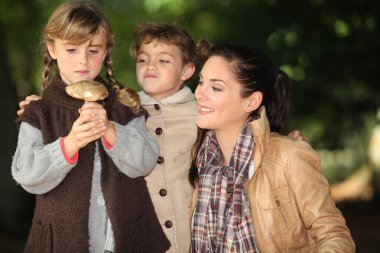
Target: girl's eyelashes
152, 59
74, 50
141, 60
94, 51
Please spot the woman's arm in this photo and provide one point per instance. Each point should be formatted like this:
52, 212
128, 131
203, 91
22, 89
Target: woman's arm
315, 204
38, 168
135, 152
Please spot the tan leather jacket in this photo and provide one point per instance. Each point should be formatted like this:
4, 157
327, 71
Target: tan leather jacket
290, 201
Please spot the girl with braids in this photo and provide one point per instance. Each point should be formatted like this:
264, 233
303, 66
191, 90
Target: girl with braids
85, 162
256, 190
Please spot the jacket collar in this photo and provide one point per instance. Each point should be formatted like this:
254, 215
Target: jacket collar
177, 97
261, 130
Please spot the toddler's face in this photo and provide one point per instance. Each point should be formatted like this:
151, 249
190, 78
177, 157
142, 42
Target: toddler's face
160, 70
79, 62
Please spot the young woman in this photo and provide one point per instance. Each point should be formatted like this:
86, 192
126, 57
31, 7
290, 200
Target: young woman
256, 190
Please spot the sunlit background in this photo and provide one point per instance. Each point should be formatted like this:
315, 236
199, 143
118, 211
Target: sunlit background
331, 49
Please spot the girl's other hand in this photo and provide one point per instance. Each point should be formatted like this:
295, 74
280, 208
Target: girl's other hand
101, 114
90, 126
95, 109
25, 102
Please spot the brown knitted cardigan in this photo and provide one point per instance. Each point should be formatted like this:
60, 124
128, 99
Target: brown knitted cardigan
60, 222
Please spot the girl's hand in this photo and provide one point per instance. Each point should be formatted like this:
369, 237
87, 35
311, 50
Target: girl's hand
91, 125
25, 102
101, 114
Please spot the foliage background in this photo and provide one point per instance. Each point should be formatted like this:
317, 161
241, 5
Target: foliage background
329, 48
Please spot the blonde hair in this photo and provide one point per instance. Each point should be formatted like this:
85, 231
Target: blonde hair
77, 22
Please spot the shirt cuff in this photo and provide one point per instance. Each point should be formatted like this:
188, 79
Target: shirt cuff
106, 143
71, 160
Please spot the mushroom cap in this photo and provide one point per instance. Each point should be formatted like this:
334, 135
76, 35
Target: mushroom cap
87, 90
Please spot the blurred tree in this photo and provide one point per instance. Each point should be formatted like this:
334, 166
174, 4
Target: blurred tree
15, 204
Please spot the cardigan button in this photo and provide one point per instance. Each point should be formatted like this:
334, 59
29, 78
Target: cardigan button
278, 203
160, 160
163, 192
168, 224
157, 107
158, 131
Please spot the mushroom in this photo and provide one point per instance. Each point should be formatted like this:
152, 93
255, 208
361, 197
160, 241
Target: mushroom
87, 90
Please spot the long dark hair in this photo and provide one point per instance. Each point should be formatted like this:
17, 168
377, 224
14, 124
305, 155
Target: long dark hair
255, 72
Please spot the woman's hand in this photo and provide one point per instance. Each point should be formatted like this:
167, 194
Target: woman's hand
25, 102
296, 135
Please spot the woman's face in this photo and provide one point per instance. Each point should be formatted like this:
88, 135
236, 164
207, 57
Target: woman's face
220, 105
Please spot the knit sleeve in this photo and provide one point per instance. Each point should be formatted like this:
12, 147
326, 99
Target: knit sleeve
38, 168
135, 152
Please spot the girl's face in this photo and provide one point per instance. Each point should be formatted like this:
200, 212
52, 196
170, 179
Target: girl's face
160, 70
220, 105
79, 62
